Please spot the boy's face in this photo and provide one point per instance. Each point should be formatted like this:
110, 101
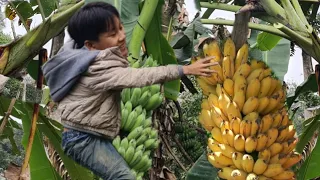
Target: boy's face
115, 37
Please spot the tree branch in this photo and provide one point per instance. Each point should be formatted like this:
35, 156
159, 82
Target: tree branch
171, 152
8, 113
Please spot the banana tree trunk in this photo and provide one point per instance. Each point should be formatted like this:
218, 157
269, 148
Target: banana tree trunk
307, 65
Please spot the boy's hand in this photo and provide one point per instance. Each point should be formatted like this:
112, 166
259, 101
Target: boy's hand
200, 67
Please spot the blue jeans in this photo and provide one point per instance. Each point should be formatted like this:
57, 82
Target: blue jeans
96, 154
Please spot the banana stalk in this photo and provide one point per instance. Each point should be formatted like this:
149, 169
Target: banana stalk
141, 27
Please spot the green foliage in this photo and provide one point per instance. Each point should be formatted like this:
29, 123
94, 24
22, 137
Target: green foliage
5, 38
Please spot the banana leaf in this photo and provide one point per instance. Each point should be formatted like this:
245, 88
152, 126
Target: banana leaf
202, 169
18, 53
160, 49
277, 58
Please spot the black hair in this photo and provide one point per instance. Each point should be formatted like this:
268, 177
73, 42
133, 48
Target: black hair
90, 21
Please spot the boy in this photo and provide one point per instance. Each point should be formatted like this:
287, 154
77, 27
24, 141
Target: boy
86, 78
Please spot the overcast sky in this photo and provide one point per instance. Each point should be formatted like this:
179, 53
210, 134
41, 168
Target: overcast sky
295, 72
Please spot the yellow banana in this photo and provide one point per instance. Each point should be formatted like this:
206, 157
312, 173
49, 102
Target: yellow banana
205, 115
227, 150
285, 146
247, 163
275, 148
225, 125
240, 98
255, 74
239, 142
206, 88
250, 105
205, 104
224, 136
218, 75
260, 166
233, 110
251, 116
253, 88
214, 162
211, 48
225, 173
255, 127
217, 116
265, 155
291, 132
283, 158
252, 176
242, 56
263, 103
266, 123
284, 175
267, 72
230, 137
238, 174
284, 131
221, 159
272, 135
250, 144
274, 159
243, 70
245, 128
273, 102
213, 100
285, 120
255, 64
237, 159
223, 101
273, 170
277, 118
228, 85
235, 125
273, 86
240, 83
214, 147
216, 134
292, 160
265, 86
291, 145
261, 177
229, 49
261, 142
228, 71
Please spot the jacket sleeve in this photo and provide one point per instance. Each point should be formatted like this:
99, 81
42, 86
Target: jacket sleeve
111, 71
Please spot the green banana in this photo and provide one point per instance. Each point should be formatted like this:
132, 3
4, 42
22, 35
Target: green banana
148, 152
145, 89
147, 166
129, 154
148, 62
121, 105
144, 98
124, 143
146, 131
147, 122
149, 143
116, 142
134, 173
122, 151
154, 134
132, 143
130, 121
140, 119
135, 133
140, 147
125, 95
135, 159
138, 109
135, 96
143, 161
124, 117
128, 106
155, 89
142, 139
136, 64
154, 101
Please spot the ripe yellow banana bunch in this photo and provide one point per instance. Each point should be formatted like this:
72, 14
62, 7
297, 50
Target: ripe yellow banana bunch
252, 136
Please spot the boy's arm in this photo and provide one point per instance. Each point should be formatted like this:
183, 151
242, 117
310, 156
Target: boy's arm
111, 71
